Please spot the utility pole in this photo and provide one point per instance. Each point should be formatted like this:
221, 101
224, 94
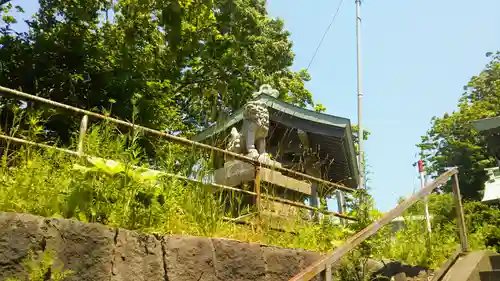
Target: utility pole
360, 97
423, 181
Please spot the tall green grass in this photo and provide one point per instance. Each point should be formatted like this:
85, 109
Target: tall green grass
50, 183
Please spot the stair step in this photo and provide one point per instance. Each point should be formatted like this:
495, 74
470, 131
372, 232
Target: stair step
495, 262
493, 275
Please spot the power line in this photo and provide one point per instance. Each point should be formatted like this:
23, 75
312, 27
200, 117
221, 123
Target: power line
324, 34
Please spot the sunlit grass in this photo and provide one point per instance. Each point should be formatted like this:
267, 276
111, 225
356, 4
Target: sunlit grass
116, 193
54, 184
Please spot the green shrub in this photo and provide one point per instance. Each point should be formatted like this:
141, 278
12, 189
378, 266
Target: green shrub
118, 190
483, 222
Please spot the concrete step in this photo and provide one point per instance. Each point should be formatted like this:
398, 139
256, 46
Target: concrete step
495, 262
474, 266
493, 275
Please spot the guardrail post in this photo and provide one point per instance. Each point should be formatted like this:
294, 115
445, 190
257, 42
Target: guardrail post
83, 131
328, 273
258, 196
460, 214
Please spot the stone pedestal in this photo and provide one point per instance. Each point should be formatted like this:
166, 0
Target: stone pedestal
273, 183
237, 172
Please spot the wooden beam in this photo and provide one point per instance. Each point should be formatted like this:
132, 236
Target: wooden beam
237, 172
319, 266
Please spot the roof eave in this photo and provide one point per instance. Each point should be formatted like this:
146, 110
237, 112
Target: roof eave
278, 105
487, 123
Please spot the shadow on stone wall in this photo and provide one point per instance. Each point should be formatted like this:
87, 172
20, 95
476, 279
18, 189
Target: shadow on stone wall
94, 252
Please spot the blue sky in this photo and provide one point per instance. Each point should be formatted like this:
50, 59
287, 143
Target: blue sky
417, 55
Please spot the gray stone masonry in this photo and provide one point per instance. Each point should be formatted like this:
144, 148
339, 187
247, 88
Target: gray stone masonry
96, 252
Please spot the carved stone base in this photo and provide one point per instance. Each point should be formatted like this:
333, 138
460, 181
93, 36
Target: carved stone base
234, 173
279, 209
237, 172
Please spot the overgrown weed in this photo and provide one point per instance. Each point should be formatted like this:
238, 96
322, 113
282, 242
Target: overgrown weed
117, 193
44, 267
116, 190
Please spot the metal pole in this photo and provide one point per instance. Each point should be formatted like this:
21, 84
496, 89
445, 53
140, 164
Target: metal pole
462, 228
360, 97
421, 171
328, 273
83, 131
258, 197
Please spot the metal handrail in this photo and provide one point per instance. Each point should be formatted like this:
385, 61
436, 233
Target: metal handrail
443, 269
177, 139
220, 186
334, 257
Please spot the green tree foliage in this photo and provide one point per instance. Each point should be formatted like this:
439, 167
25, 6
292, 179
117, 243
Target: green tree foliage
482, 220
452, 140
175, 65
355, 131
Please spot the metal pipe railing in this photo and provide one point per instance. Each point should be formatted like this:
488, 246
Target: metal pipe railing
263, 196
335, 256
173, 138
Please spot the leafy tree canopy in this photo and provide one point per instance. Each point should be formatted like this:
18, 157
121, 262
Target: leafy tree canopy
452, 140
174, 65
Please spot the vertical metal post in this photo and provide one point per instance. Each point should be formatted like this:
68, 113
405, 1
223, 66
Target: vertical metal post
428, 241
314, 200
421, 171
460, 214
360, 96
340, 205
83, 131
328, 273
258, 196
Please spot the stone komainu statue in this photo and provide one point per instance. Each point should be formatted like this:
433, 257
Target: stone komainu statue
252, 139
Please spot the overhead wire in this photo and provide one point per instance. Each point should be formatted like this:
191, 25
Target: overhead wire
324, 34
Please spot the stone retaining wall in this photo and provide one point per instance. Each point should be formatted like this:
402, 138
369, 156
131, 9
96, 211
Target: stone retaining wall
95, 253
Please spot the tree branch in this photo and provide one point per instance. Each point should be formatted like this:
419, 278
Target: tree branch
2, 2
200, 81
